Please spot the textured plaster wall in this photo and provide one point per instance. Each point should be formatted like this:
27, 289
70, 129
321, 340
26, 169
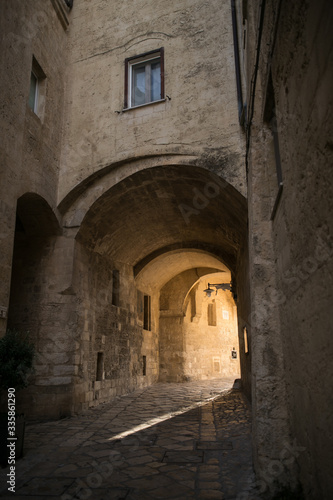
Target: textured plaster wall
30, 143
291, 255
209, 348
303, 230
199, 118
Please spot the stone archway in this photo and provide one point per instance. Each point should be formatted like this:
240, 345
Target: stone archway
198, 334
135, 237
38, 306
36, 226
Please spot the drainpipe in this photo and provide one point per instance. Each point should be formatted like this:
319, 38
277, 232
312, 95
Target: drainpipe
254, 83
237, 64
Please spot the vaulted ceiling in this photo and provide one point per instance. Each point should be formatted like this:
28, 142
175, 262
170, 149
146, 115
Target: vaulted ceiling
167, 209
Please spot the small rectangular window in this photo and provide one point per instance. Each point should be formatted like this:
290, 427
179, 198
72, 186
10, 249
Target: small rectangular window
100, 366
33, 94
36, 99
144, 78
217, 364
147, 312
115, 287
211, 314
140, 306
144, 365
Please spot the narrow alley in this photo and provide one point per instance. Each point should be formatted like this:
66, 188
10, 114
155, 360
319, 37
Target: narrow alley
168, 441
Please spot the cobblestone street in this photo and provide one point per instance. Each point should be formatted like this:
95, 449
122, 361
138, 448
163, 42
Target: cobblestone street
169, 441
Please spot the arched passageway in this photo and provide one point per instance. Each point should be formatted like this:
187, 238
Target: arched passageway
164, 208
159, 233
35, 232
38, 308
198, 334
117, 303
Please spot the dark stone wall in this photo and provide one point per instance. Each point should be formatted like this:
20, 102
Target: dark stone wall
291, 247
113, 330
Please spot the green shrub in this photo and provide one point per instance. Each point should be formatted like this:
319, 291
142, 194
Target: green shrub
16, 359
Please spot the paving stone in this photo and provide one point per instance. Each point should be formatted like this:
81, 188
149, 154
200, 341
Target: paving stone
209, 468
173, 491
39, 486
213, 461
211, 495
24, 497
209, 476
99, 454
157, 464
209, 485
135, 472
183, 456
204, 452
140, 460
149, 483
214, 445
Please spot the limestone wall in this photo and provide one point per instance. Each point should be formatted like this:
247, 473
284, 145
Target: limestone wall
43, 304
30, 142
303, 229
199, 114
197, 334
110, 332
291, 247
211, 336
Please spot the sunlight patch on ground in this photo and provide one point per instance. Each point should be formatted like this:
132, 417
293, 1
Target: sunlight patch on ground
166, 416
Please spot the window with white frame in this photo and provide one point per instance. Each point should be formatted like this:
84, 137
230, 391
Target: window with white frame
144, 78
33, 93
37, 89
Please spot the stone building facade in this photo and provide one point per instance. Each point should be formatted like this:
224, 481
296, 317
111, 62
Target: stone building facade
147, 151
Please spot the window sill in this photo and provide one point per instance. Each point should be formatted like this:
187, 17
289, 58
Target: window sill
33, 113
142, 105
34, 122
